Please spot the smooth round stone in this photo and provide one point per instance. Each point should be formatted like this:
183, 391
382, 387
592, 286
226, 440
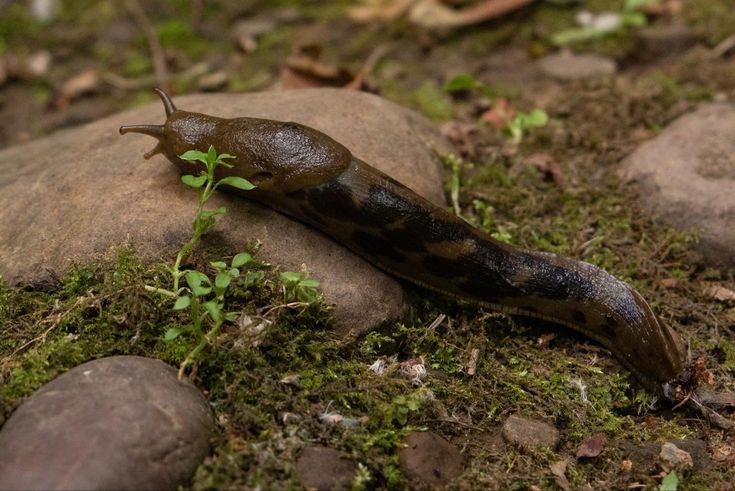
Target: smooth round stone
529, 433
429, 458
686, 176
325, 469
124, 422
73, 195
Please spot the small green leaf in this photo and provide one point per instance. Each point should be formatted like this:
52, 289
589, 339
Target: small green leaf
222, 280
236, 182
194, 182
461, 82
193, 155
172, 333
214, 309
290, 277
195, 279
670, 482
211, 155
309, 283
537, 117
241, 259
182, 302
234, 272
219, 264
232, 316
213, 213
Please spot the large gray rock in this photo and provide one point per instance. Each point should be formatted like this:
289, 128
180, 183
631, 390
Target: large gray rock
686, 175
124, 422
73, 195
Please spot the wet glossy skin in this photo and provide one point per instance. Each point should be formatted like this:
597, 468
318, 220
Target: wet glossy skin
307, 175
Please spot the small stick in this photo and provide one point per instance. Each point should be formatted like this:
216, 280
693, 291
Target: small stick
472, 364
159, 58
723, 47
490, 9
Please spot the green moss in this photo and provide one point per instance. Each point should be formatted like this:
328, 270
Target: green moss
711, 20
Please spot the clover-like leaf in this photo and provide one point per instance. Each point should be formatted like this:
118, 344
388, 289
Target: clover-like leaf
461, 82
214, 309
195, 279
537, 117
236, 182
182, 302
194, 182
172, 333
241, 259
222, 280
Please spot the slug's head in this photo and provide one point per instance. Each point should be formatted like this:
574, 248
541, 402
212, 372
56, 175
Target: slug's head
277, 157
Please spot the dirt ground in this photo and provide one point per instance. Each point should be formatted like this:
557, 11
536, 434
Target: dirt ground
552, 189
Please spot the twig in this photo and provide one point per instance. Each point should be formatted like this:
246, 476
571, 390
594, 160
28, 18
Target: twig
375, 56
159, 57
439, 319
285, 305
472, 364
723, 47
712, 416
490, 9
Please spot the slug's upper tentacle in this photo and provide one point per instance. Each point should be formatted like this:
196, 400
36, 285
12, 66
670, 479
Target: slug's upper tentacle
306, 174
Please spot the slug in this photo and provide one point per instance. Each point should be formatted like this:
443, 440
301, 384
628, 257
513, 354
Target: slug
306, 174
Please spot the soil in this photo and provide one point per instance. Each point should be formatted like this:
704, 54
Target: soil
291, 385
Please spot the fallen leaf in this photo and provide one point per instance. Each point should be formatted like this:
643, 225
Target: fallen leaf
545, 339
702, 373
499, 114
378, 11
559, 469
720, 293
431, 14
548, 167
592, 446
81, 84
669, 282
304, 69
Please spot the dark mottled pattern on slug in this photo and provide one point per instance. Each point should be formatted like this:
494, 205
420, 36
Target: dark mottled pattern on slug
377, 245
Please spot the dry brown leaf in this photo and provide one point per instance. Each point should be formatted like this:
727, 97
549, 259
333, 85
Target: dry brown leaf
719, 292
378, 11
545, 339
499, 114
548, 167
304, 69
669, 282
592, 446
559, 469
81, 84
432, 15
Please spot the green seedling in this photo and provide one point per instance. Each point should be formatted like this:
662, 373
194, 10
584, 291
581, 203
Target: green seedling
519, 125
516, 126
299, 287
202, 296
629, 16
